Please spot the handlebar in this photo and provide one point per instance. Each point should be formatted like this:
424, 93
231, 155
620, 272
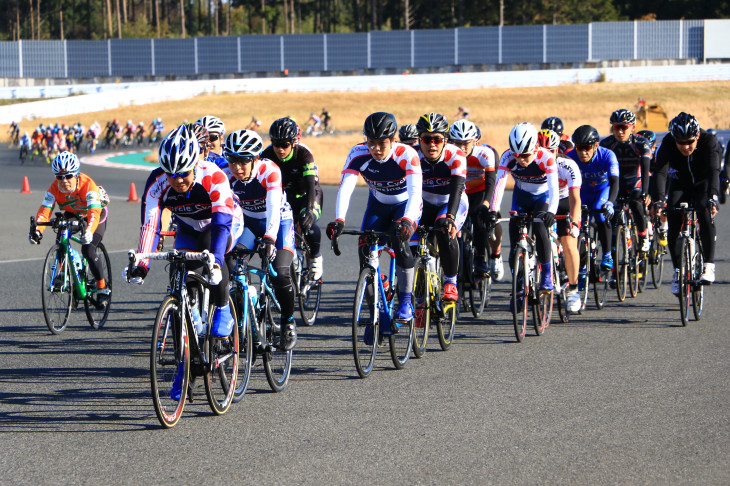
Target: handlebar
371, 236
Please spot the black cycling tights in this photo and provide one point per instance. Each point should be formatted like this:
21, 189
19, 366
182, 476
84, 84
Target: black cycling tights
708, 232
89, 252
541, 238
282, 283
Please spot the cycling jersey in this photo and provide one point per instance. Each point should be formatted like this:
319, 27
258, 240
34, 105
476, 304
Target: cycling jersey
24, 141
539, 177
444, 180
568, 176
481, 168
394, 180
159, 127
596, 173
634, 159
218, 160
208, 204
298, 172
88, 200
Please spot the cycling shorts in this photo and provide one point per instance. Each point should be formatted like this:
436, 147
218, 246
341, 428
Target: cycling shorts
595, 201
256, 228
379, 216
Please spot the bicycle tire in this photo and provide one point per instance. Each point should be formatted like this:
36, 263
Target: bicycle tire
365, 324
633, 261
561, 297
620, 260
170, 349
685, 269
97, 317
309, 293
656, 259
56, 298
542, 304
584, 261
277, 362
643, 270
520, 293
446, 325
601, 279
245, 342
465, 281
422, 310
223, 356
698, 290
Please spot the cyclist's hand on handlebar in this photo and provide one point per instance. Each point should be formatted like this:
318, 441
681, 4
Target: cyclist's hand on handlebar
35, 237
136, 276
608, 209
405, 229
307, 220
335, 228
215, 274
574, 229
483, 213
712, 206
447, 225
548, 218
269, 248
86, 238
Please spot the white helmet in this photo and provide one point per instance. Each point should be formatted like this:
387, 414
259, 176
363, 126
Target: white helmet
213, 124
179, 151
65, 163
243, 144
463, 131
523, 138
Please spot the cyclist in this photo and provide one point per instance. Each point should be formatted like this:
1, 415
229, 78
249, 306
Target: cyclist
392, 172
14, 131
207, 217
556, 124
301, 183
688, 157
256, 182
254, 124
445, 203
650, 136
77, 194
216, 131
139, 133
462, 113
156, 129
599, 171
313, 123
481, 162
25, 146
325, 116
93, 135
536, 191
569, 183
408, 134
634, 161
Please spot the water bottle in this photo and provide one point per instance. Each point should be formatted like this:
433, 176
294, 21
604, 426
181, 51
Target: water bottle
198, 323
77, 260
582, 277
386, 285
254, 293
431, 264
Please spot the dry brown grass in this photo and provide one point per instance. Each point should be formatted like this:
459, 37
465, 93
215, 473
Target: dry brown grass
495, 110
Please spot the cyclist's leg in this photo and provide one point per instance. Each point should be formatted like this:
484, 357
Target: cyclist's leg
282, 265
638, 210
595, 201
449, 248
189, 240
479, 231
708, 232
568, 242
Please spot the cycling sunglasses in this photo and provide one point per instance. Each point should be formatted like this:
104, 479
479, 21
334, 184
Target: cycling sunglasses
584, 148
235, 159
179, 174
213, 138
65, 176
622, 126
282, 145
433, 140
689, 141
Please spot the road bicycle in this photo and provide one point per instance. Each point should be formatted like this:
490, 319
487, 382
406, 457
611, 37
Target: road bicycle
591, 274
560, 274
428, 295
180, 351
691, 264
657, 251
626, 250
526, 276
259, 319
474, 287
67, 278
373, 308
308, 290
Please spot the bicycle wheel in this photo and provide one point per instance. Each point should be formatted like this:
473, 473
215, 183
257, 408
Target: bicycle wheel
422, 309
170, 353
520, 293
632, 261
698, 290
56, 289
277, 362
656, 260
365, 324
561, 288
245, 342
95, 313
542, 304
643, 267
223, 357
685, 279
446, 325
584, 252
600, 279
621, 260
309, 290
401, 344
465, 281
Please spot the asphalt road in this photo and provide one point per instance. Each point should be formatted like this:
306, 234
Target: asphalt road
623, 395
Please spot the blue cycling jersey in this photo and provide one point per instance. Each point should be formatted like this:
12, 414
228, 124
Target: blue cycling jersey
595, 173
218, 160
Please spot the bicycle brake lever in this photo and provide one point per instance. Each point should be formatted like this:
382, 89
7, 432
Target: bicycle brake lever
336, 245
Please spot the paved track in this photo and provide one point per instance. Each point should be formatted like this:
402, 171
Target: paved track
623, 395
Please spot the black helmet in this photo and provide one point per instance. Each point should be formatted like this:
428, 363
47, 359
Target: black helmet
432, 123
284, 130
380, 125
585, 135
623, 116
553, 123
407, 132
711, 131
684, 126
649, 135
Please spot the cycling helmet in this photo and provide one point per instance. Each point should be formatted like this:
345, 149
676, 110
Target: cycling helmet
407, 132
243, 144
649, 135
65, 163
548, 139
283, 130
179, 151
523, 138
141, 124
553, 123
684, 126
623, 116
463, 131
711, 131
585, 135
380, 125
213, 124
200, 132
432, 123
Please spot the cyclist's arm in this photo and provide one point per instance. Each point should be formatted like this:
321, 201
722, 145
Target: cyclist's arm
490, 177
149, 233
414, 186
344, 194
645, 164
223, 208
714, 165
661, 169
271, 181
613, 192
613, 175
553, 188
574, 203
309, 172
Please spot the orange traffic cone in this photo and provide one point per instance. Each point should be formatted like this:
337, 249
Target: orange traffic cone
26, 186
132, 194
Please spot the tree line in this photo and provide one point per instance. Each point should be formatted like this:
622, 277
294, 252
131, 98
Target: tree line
105, 19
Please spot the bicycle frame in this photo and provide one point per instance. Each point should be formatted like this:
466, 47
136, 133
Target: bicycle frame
63, 239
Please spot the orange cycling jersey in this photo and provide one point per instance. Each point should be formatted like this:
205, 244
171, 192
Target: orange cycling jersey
88, 199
